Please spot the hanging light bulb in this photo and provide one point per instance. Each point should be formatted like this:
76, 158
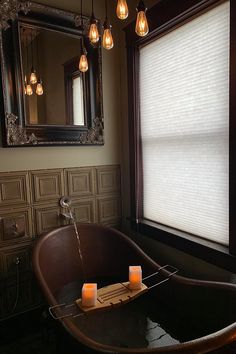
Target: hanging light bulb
122, 11
107, 40
29, 90
141, 27
93, 33
93, 29
83, 63
39, 88
33, 77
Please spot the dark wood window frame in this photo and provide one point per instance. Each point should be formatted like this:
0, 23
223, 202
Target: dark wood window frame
163, 17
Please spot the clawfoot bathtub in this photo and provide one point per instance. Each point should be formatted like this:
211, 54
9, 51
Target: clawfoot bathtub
181, 315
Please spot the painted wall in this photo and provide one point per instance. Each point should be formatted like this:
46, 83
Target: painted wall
51, 157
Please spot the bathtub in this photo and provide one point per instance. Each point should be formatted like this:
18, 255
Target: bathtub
181, 315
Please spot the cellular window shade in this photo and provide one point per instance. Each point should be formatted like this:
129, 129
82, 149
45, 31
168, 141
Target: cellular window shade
184, 119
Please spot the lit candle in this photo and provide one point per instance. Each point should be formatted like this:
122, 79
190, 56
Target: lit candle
135, 277
89, 294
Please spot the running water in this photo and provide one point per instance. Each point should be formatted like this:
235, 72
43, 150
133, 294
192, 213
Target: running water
65, 202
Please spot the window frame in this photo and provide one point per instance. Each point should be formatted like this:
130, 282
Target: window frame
164, 17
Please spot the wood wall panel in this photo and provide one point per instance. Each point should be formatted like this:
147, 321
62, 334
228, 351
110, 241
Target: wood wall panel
108, 179
85, 210
16, 225
47, 185
9, 258
109, 210
79, 182
47, 217
30, 206
14, 189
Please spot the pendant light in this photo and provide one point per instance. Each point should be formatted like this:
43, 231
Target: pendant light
33, 77
141, 27
93, 29
39, 87
83, 62
122, 11
107, 40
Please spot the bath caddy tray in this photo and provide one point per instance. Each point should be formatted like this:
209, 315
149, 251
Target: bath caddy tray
109, 296
113, 295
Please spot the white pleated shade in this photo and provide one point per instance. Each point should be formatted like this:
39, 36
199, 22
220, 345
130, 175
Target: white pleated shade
184, 112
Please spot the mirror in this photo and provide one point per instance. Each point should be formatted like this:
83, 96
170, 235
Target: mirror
46, 99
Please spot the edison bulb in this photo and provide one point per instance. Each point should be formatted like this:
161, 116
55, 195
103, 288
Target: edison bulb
93, 33
39, 88
83, 63
29, 90
122, 11
33, 77
107, 40
141, 27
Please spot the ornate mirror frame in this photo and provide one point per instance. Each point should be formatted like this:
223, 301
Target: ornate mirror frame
15, 132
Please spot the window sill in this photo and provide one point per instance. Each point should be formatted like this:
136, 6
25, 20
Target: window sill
207, 250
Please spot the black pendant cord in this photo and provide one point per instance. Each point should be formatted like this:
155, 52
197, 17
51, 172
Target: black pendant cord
37, 53
32, 50
106, 8
81, 11
83, 51
24, 62
92, 9
27, 57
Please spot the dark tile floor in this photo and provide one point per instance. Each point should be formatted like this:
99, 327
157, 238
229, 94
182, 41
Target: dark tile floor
31, 333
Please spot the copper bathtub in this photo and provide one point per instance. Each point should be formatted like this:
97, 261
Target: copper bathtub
182, 315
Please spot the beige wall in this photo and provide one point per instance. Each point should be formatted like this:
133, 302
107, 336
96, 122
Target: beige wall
49, 157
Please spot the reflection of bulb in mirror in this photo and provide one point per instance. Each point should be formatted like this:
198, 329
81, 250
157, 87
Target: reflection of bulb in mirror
107, 40
141, 27
83, 63
39, 88
93, 33
33, 77
122, 11
29, 90
25, 85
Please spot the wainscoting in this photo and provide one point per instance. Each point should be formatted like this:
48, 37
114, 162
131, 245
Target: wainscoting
29, 207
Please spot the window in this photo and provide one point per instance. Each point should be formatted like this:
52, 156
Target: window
180, 90
184, 116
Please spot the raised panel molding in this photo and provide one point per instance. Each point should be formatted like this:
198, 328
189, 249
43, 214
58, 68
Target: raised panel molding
108, 179
29, 207
79, 182
85, 210
16, 225
109, 210
9, 259
14, 189
47, 185
47, 217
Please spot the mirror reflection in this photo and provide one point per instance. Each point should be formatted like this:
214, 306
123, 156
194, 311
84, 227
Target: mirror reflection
53, 85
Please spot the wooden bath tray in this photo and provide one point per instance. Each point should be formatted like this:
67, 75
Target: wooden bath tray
113, 295
109, 296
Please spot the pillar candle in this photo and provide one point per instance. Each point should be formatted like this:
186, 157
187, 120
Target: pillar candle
89, 294
135, 277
